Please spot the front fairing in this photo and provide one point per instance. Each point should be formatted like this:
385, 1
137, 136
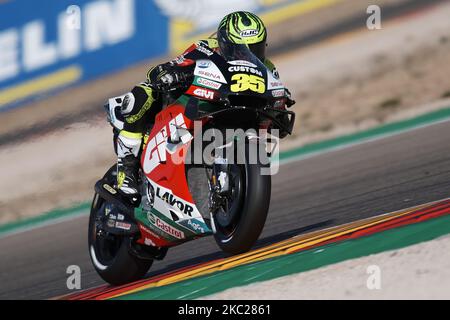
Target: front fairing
221, 78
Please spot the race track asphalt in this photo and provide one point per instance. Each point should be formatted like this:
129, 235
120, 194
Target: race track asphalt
328, 189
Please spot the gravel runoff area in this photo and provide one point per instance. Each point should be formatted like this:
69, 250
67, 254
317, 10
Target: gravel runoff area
421, 271
341, 86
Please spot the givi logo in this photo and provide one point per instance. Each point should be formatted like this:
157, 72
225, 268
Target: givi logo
201, 92
204, 93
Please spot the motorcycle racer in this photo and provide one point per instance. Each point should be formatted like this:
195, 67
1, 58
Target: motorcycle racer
140, 106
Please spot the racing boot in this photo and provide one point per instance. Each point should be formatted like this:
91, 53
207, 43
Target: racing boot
128, 145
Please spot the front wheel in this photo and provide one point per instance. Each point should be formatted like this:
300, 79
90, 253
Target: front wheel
110, 254
241, 217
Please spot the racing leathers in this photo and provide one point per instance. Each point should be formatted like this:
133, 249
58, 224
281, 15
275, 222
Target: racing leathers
140, 106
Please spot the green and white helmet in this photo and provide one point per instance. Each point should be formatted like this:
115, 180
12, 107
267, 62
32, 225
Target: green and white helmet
242, 27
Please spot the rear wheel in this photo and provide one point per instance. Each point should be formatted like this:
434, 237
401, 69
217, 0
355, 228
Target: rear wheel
110, 254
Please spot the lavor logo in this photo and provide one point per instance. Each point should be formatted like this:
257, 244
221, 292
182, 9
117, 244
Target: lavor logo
249, 33
174, 201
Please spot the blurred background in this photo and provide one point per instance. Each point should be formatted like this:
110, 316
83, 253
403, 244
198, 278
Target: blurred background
61, 60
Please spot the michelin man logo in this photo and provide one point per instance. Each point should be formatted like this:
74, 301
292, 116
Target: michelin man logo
204, 13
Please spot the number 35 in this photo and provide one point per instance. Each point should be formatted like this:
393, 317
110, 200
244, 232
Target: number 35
247, 82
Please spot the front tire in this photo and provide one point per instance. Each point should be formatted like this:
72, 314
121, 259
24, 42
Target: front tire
252, 207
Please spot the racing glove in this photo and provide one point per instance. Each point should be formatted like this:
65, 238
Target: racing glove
167, 79
289, 101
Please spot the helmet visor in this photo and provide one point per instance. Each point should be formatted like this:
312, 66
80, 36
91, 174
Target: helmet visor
259, 50
235, 51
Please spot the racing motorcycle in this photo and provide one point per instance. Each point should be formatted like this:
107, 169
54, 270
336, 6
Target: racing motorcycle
180, 199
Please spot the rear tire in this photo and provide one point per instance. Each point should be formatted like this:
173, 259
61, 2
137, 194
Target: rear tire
110, 254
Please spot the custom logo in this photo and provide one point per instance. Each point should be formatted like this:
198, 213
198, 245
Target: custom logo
169, 198
249, 33
169, 229
245, 69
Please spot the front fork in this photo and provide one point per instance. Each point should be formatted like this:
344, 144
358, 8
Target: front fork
220, 176
219, 184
